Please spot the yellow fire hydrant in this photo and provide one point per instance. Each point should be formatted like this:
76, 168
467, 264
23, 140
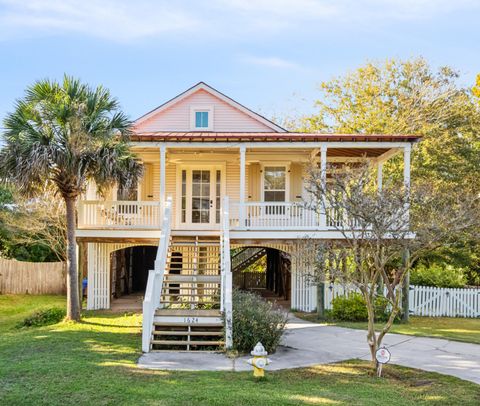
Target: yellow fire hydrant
259, 360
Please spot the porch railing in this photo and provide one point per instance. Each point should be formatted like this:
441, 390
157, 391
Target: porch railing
285, 216
119, 214
155, 278
226, 275
276, 216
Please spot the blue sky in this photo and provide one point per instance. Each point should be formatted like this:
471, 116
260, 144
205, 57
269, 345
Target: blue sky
267, 54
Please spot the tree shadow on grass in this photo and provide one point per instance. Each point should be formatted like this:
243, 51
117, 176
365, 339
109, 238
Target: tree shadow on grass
95, 362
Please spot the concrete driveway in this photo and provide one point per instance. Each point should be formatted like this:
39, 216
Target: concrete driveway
306, 344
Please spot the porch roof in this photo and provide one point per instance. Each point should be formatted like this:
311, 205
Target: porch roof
196, 136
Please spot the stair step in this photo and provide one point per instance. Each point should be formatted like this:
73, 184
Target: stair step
189, 342
189, 294
188, 312
182, 324
187, 333
193, 278
192, 243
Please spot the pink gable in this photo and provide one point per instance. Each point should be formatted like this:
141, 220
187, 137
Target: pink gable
226, 118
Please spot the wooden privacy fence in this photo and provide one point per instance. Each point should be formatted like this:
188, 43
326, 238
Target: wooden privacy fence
36, 278
424, 300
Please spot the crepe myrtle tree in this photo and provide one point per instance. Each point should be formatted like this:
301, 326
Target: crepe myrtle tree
66, 134
378, 227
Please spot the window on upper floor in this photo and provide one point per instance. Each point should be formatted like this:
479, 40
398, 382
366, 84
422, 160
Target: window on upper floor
201, 118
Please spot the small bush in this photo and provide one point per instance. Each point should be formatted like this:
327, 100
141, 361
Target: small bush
44, 318
349, 308
438, 275
254, 320
354, 308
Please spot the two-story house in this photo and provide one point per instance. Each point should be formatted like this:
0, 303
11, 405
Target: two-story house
222, 187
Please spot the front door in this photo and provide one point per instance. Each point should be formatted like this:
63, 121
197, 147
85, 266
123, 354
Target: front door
201, 194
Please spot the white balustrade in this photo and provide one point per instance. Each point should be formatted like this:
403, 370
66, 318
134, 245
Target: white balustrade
155, 278
275, 216
285, 216
226, 275
119, 214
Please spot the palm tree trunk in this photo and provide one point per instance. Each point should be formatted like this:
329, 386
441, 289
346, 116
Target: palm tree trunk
73, 302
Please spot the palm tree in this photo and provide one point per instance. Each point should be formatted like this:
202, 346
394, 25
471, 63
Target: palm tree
66, 134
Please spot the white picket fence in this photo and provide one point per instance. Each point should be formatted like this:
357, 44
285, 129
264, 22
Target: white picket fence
447, 302
333, 290
424, 300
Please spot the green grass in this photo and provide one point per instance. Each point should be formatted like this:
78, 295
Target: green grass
94, 362
457, 329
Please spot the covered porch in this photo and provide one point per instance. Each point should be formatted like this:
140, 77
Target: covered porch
263, 180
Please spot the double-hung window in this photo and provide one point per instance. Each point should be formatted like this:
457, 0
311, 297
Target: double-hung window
275, 188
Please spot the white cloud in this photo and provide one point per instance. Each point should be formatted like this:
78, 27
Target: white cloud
346, 10
107, 19
128, 20
271, 62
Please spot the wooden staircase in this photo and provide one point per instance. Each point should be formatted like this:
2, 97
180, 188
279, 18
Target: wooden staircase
189, 315
245, 257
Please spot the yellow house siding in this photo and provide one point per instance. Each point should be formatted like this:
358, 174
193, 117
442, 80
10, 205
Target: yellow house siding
254, 182
296, 181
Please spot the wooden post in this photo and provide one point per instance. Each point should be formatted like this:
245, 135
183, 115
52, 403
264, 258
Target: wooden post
323, 174
321, 300
82, 268
406, 179
380, 176
163, 152
241, 214
406, 288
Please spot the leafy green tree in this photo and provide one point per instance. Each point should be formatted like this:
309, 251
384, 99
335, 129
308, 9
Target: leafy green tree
409, 97
34, 228
476, 88
65, 134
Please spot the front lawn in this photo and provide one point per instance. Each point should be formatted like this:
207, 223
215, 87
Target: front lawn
458, 329
93, 362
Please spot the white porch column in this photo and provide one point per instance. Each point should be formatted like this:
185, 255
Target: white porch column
406, 178
380, 176
406, 166
163, 153
241, 211
323, 174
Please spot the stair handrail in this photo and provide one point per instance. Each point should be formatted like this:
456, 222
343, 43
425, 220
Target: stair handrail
226, 275
155, 277
244, 255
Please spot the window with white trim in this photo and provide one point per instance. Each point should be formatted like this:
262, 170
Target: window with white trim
201, 118
275, 183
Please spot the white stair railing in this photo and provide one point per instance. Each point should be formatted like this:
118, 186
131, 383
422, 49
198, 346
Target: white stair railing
226, 275
155, 278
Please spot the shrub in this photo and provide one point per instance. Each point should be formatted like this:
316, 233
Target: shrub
44, 318
354, 308
254, 320
438, 275
349, 308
